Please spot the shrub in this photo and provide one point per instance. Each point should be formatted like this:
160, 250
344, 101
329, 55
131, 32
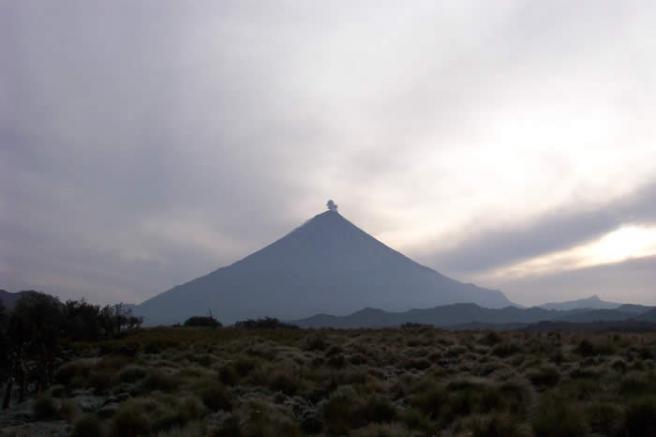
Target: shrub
130, 421
45, 408
132, 373
431, 400
504, 350
264, 323
417, 364
69, 372
544, 376
641, 418
316, 342
381, 430
605, 418
414, 419
202, 322
229, 427
160, 380
555, 417
264, 420
68, 410
378, 409
491, 338
339, 409
284, 379
215, 397
517, 396
588, 348
498, 425
87, 426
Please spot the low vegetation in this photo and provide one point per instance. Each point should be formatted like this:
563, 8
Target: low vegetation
271, 380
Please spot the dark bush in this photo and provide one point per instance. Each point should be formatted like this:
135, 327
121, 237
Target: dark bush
160, 380
641, 418
202, 322
316, 342
556, 417
45, 408
605, 418
497, 425
215, 397
87, 426
130, 421
544, 376
378, 409
503, 350
264, 323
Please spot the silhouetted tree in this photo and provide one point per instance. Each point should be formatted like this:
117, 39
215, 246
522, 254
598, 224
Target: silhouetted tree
31, 337
116, 319
4, 346
82, 320
34, 329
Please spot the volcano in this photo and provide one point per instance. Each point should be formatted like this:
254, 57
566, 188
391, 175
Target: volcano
327, 265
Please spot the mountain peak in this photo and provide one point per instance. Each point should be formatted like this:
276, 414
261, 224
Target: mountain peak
327, 265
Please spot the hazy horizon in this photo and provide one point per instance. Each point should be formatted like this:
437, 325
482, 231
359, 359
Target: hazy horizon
508, 144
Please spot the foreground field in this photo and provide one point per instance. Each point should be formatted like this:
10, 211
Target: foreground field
414, 381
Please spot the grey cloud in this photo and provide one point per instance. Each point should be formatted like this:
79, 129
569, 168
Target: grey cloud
558, 230
628, 282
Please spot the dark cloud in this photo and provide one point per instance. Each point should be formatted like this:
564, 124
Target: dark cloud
630, 281
558, 230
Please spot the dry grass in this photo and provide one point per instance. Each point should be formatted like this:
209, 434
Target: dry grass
412, 381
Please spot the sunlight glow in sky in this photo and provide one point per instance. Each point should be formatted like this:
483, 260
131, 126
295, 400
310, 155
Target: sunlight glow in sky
619, 245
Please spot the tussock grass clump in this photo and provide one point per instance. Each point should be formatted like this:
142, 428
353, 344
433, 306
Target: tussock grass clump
263, 419
45, 408
556, 417
160, 380
215, 396
641, 417
544, 376
497, 425
132, 373
605, 418
87, 426
74, 373
130, 420
506, 349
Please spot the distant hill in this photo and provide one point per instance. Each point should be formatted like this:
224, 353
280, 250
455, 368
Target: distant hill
9, 299
472, 316
648, 316
592, 302
328, 265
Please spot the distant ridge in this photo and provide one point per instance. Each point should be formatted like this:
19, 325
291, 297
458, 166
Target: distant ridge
592, 302
326, 265
472, 316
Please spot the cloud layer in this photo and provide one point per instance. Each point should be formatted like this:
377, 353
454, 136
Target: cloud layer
143, 144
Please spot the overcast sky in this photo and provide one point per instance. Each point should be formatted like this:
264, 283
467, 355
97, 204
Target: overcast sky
508, 143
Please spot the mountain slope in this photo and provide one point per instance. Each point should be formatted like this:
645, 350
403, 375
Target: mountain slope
328, 265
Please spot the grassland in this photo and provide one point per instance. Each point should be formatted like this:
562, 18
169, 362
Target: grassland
415, 381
